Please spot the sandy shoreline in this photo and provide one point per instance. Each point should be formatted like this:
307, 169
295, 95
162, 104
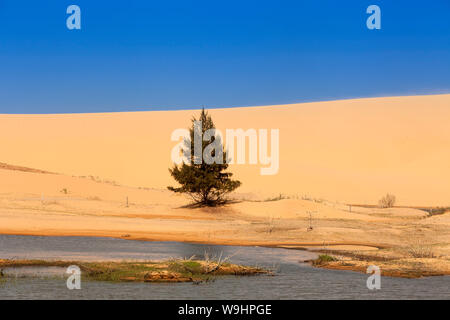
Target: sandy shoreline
403, 268
92, 208
106, 175
229, 242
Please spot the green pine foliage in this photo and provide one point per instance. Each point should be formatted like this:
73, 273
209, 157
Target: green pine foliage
206, 184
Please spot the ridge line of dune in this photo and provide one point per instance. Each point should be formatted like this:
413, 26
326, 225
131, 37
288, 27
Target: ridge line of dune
6, 166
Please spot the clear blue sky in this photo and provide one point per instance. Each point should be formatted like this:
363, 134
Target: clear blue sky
154, 55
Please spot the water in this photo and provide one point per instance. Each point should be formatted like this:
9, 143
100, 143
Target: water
295, 279
38, 271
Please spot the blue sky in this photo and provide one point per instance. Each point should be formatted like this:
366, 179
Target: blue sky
157, 55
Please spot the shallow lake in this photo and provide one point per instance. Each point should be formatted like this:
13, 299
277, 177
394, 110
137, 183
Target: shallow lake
295, 279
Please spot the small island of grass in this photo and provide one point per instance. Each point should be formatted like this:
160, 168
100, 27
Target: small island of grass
175, 270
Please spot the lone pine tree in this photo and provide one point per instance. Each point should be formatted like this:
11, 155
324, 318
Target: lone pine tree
206, 182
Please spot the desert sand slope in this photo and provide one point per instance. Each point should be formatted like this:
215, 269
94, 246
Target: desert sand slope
353, 151
53, 204
36, 203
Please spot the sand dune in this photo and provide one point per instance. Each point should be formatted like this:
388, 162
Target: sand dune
352, 151
106, 175
36, 203
54, 204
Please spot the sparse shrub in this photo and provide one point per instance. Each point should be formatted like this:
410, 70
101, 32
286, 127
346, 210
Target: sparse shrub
270, 225
419, 249
326, 258
388, 201
438, 211
323, 258
50, 202
277, 198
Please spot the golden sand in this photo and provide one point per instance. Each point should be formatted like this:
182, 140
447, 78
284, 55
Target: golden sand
113, 174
